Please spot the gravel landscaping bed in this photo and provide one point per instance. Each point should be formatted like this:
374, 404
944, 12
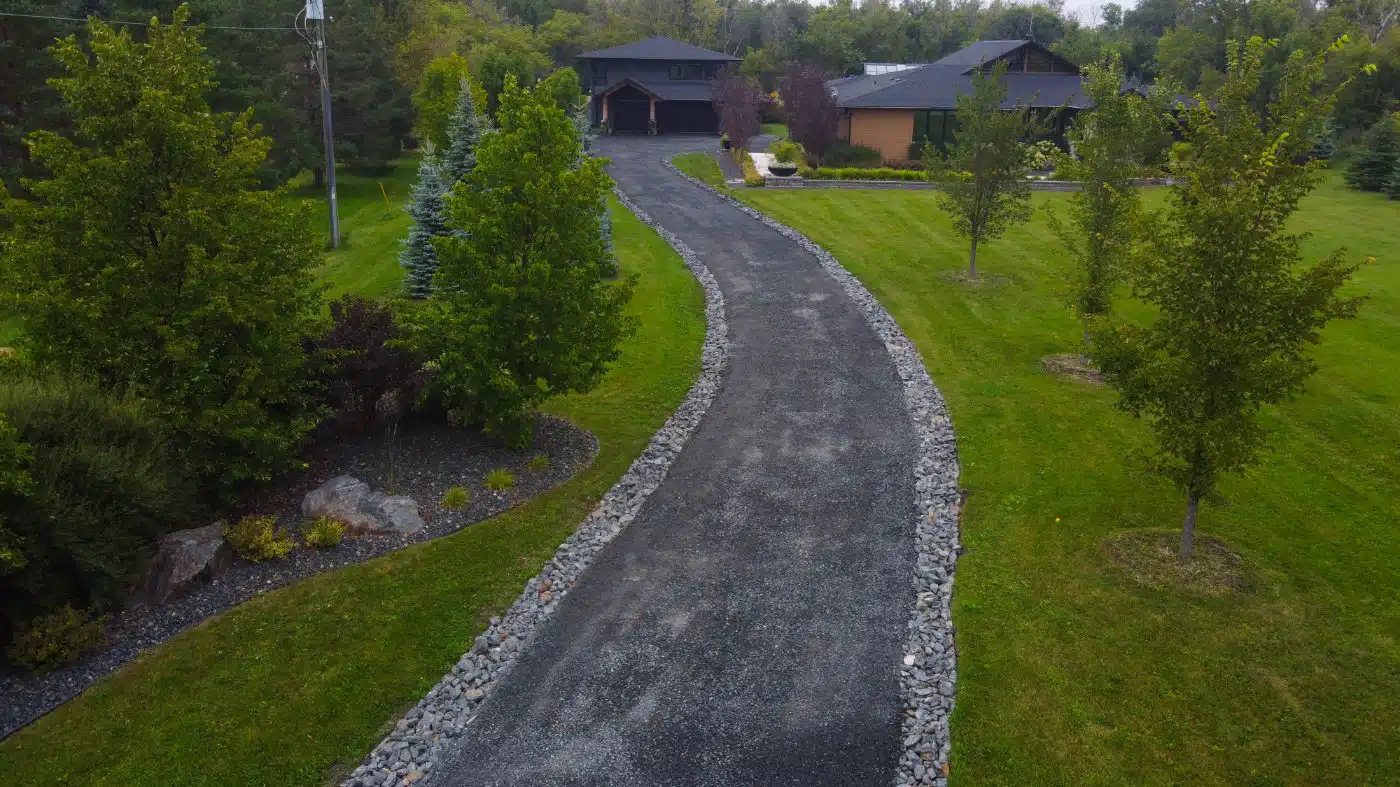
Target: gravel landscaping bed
409, 753
423, 460
928, 676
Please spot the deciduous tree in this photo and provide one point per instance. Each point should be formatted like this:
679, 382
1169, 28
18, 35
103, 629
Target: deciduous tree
1235, 305
737, 101
811, 110
1109, 146
982, 183
521, 311
152, 262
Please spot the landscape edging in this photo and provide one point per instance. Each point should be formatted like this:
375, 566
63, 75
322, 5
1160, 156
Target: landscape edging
928, 677
418, 739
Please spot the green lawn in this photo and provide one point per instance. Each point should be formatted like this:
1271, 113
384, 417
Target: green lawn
1070, 673
774, 129
368, 261
702, 166
297, 686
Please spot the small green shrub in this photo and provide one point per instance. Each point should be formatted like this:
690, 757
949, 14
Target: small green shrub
540, 462
59, 638
257, 538
787, 152
751, 176
324, 533
456, 497
499, 480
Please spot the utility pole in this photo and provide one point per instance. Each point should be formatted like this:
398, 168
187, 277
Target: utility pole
315, 11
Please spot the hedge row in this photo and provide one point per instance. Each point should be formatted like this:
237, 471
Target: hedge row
858, 173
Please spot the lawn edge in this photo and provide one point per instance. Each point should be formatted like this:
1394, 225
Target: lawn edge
419, 739
928, 693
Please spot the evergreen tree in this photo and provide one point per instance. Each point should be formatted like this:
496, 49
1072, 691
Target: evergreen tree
152, 262
1235, 306
982, 183
427, 205
1325, 144
1371, 170
1392, 184
520, 310
465, 130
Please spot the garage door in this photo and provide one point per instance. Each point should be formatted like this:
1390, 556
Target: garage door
674, 117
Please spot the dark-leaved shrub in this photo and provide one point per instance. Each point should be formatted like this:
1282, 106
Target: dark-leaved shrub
844, 154
55, 639
364, 360
103, 487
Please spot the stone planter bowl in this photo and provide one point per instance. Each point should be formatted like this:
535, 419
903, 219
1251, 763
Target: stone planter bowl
783, 170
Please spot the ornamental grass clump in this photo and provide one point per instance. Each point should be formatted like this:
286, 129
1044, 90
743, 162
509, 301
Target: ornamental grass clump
499, 480
256, 538
455, 498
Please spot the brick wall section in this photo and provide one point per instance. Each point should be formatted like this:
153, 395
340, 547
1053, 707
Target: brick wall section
889, 131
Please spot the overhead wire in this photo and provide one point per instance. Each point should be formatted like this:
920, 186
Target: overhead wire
137, 24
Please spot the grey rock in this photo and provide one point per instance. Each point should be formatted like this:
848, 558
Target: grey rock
186, 556
353, 502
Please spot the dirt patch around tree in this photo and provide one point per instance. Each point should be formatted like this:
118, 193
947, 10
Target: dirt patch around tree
1071, 366
1149, 558
981, 280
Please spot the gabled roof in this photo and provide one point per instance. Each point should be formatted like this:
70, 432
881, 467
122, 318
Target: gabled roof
977, 53
657, 48
664, 90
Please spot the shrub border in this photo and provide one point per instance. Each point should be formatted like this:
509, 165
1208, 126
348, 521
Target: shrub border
928, 674
418, 739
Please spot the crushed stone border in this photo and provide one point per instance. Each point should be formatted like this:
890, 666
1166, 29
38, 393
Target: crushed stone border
928, 673
407, 755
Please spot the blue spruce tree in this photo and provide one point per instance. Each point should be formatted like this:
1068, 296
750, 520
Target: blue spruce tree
464, 128
428, 207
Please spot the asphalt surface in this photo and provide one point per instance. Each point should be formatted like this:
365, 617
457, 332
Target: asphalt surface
747, 628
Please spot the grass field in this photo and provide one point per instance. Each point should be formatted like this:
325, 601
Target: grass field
1070, 672
773, 129
701, 166
367, 262
297, 686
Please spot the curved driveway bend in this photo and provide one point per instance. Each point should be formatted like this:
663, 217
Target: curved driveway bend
747, 628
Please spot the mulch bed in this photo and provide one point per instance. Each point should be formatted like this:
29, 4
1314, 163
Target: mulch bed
1073, 367
421, 459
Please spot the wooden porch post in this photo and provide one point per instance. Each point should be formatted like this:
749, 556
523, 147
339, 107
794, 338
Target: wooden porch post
605, 110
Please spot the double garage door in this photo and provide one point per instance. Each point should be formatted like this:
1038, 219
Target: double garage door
672, 117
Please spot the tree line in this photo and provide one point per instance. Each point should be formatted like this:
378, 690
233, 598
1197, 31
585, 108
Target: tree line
381, 51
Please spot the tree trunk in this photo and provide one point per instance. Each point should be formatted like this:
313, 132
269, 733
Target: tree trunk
1188, 526
318, 176
1084, 353
972, 261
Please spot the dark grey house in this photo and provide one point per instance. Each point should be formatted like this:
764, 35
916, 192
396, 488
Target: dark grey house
655, 85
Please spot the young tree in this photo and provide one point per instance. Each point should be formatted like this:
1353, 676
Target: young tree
811, 110
1370, 170
436, 98
465, 129
737, 102
521, 311
427, 205
1109, 143
1235, 305
982, 184
151, 261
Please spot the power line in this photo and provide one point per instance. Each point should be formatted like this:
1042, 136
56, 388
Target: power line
137, 24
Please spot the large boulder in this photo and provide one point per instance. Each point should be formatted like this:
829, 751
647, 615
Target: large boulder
351, 501
184, 557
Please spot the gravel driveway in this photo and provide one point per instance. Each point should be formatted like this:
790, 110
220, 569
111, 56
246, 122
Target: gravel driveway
748, 627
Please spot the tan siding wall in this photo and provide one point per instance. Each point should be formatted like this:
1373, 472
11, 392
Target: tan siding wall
889, 131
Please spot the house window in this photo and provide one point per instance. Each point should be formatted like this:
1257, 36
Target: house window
935, 126
688, 72
600, 73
